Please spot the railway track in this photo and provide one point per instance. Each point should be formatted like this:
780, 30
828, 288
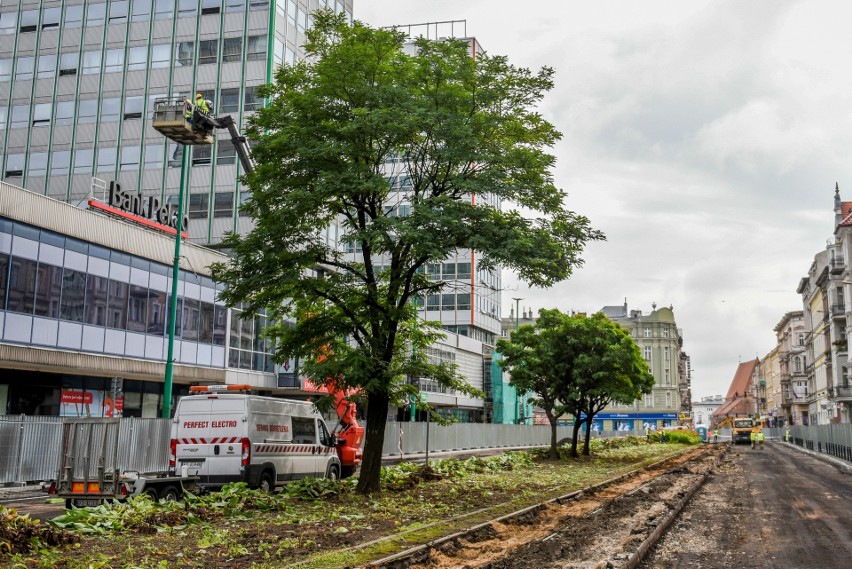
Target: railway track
608, 526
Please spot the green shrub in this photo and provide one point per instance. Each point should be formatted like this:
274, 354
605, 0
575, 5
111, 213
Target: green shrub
317, 488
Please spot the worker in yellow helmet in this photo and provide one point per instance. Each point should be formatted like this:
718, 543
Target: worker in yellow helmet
201, 104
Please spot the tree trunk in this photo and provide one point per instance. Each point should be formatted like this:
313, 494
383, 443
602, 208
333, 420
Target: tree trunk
574, 436
554, 452
588, 436
374, 438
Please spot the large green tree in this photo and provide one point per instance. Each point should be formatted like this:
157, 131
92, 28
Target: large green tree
359, 128
538, 362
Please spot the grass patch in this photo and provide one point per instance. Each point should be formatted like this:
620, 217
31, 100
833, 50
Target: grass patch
320, 524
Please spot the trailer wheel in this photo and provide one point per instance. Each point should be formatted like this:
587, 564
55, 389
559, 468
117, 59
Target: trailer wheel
265, 484
333, 472
171, 494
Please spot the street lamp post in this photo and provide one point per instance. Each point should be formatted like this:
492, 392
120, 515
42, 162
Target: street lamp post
517, 300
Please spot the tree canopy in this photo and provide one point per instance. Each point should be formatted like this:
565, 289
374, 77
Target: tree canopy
373, 160
575, 364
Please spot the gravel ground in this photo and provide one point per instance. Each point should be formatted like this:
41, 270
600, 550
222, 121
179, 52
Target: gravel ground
771, 508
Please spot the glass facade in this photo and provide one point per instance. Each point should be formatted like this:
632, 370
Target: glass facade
60, 292
78, 80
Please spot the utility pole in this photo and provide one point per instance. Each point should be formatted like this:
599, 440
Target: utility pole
520, 395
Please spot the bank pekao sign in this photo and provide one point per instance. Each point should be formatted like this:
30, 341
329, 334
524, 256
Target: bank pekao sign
146, 211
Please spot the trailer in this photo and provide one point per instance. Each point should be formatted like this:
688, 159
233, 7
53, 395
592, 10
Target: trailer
89, 474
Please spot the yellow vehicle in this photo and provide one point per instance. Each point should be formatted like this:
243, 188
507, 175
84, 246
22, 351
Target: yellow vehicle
742, 429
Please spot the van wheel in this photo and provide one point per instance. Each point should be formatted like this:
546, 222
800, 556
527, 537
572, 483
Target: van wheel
171, 494
152, 492
333, 472
265, 484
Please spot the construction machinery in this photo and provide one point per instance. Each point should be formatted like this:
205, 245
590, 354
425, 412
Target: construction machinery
179, 120
742, 429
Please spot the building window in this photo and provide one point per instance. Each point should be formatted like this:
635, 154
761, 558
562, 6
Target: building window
230, 100
160, 56
9, 23
463, 301
87, 109
223, 204
232, 49
198, 204
463, 271
5, 69
110, 109
14, 165
649, 400
141, 10
201, 155
666, 354
38, 164
29, 21
256, 48
137, 58
68, 64
235, 5
186, 8
208, 51
449, 271
225, 152
163, 9
185, 53
20, 116
130, 156
665, 332
647, 353
133, 108
801, 338
106, 159
95, 15
83, 161
91, 62
41, 114
73, 16
647, 332
46, 65
118, 11
210, 7
114, 60
797, 364
60, 163
252, 100
154, 154
25, 68
667, 380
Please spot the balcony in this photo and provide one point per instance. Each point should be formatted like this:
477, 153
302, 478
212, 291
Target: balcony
841, 392
837, 264
838, 310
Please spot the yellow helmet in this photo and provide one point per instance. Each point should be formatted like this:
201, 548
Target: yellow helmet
198, 95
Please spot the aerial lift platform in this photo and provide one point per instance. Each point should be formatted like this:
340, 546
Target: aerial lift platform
170, 121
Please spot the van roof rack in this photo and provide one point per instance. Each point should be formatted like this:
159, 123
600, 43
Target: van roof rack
219, 388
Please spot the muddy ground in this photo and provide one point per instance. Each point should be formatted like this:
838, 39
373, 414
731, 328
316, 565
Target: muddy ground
596, 529
775, 508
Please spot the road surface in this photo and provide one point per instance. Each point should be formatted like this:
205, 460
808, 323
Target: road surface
773, 508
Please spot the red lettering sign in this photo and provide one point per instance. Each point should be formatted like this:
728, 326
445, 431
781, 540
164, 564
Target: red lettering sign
273, 428
195, 424
76, 397
223, 424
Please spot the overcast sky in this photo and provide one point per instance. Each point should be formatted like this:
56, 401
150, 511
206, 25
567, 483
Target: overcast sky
704, 139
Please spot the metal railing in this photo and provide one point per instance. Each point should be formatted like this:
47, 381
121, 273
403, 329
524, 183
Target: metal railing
834, 440
30, 446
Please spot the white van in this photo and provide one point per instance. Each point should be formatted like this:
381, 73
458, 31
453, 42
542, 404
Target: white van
227, 435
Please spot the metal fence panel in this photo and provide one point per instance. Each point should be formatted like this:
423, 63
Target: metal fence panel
38, 454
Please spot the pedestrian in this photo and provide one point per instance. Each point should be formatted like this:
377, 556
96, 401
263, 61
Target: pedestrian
715, 435
753, 438
648, 432
760, 439
787, 435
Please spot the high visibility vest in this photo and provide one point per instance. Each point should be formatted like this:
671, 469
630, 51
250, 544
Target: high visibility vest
760, 436
202, 106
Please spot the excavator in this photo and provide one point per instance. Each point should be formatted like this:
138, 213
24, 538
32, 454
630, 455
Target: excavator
170, 119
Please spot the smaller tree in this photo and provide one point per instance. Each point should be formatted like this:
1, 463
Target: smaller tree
575, 364
535, 357
610, 369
